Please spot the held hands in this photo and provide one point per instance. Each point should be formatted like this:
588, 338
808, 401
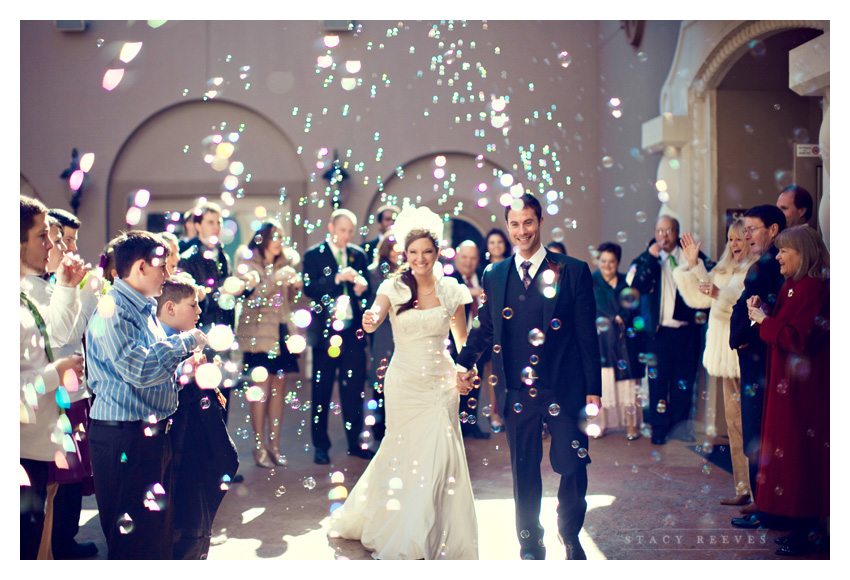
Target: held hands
71, 270
710, 289
690, 249
655, 250
72, 363
200, 337
464, 381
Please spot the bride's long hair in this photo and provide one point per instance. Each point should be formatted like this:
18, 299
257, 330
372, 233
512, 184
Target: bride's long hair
405, 274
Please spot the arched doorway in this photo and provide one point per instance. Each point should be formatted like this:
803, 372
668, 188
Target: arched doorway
219, 150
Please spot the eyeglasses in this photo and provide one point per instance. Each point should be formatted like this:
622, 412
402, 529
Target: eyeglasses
751, 230
665, 232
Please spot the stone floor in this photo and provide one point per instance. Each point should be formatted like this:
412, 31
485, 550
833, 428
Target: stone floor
645, 502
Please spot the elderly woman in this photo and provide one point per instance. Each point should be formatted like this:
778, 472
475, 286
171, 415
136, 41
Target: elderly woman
263, 330
621, 371
793, 477
719, 290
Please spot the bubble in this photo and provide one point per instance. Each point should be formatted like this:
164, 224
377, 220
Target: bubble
301, 318
486, 411
155, 498
602, 324
662, 406
707, 447
485, 461
554, 409
782, 387
706, 469
779, 453
532, 392
310, 483
327, 271
619, 191
125, 524
259, 374
555, 324
205, 403
518, 408
280, 491
472, 403
534, 359
622, 237
750, 390
360, 334
641, 56
255, 394
497, 348
528, 376
558, 234
564, 58
220, 337
582, 452
208, 376
634, 468
776, 107
524, 534
507, 313
640, 217
463, 416
536, 337
656, 456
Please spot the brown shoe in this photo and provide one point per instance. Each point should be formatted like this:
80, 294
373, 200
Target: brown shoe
737, 500
749, 509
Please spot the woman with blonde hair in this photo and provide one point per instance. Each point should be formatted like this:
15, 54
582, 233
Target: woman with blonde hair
718, 290
262, 332
793, 476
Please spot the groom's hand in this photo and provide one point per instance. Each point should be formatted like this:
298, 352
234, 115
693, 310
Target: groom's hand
464, 381
594, 400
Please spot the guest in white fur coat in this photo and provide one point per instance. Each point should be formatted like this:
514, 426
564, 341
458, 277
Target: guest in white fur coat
719, 290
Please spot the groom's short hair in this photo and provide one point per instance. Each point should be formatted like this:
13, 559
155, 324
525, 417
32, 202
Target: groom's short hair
527, 200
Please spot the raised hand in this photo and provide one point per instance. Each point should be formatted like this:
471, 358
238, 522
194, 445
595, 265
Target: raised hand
72, 363
690, 249
200, 337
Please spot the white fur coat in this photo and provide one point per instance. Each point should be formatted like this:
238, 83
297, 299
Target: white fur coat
719, 360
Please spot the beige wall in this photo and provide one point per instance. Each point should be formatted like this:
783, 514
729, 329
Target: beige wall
554, 131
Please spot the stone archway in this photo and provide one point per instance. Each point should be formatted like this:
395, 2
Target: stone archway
223, 151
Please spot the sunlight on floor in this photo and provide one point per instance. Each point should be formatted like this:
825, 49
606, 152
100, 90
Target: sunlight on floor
496, 540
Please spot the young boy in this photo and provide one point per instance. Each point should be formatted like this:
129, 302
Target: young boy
205, 459
131, 366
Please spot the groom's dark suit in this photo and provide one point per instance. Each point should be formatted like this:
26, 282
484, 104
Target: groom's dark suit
567, 369
320, 269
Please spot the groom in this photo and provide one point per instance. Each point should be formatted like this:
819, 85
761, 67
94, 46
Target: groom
539, 319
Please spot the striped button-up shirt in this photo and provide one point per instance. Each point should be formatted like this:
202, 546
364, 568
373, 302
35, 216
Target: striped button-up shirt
131, 363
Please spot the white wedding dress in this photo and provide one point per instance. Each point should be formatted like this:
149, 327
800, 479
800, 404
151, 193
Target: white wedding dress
414, 500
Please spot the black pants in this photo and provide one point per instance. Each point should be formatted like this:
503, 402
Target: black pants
676, 350
67, 506
525, 440
752, 362
132, 484
33, 503
350, 369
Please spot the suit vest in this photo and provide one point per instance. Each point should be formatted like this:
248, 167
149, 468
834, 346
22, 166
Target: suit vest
526, 314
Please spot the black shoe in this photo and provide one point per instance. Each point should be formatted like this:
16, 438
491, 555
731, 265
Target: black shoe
362, 453
322, 457
659, 435
749, 522
573, 548
76, 551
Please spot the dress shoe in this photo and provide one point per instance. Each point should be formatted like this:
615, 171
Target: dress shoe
737, 500
322, 457
748, 509
277, 457
573, 548
75, 552
632, 435
749, 522
362, 453
261, 458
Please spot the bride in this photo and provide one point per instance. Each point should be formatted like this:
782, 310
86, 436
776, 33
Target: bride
414, 500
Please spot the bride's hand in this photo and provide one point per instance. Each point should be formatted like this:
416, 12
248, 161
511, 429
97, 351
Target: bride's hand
370, 318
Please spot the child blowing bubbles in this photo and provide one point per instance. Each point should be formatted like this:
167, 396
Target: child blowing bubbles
204, 455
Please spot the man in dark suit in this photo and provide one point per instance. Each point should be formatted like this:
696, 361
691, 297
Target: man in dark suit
385, 218
466, 264
335, 280
672, 333
539, 322
761, 226
207, 262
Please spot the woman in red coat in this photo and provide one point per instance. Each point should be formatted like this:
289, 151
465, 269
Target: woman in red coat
793, 477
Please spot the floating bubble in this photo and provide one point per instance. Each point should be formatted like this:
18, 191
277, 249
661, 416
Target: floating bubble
582, 452
534, 359
536, 337
507, 313
554, 409
280, 491
555, 324
622, 237
630, 298
296, 343
205, 403
619, 191
706, 469
497, 348
683, 385
472, 403
528, 376
493, 380
220, 337
125, 524
532, 392
564, 58
782, 387
607, 162
254, 394
575, 444
259, 374
656, 456
309, 483
208, 376
558, 234
640, 217
360, 334
661, 407
518, 408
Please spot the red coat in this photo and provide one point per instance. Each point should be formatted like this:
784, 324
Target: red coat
793, 477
